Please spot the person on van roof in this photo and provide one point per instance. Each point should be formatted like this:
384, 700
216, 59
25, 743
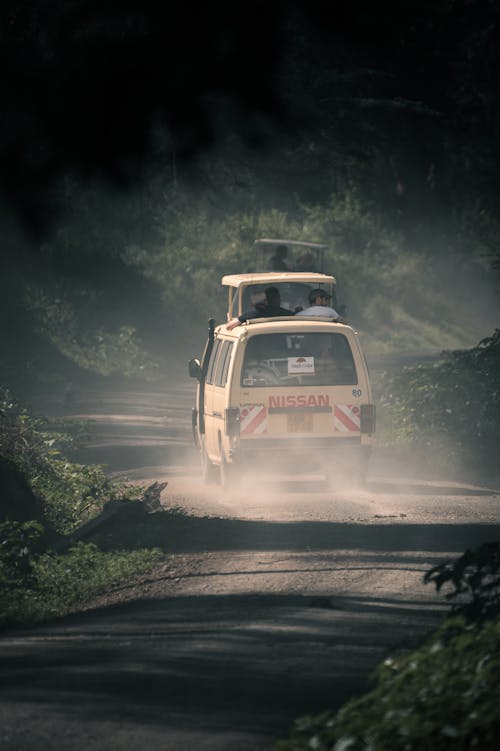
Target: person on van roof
278, 260
319, 305
269, 307
306, 262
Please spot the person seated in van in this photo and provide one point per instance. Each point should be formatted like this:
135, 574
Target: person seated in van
319, 306
259, 302
273, 304
268, 306
278, 260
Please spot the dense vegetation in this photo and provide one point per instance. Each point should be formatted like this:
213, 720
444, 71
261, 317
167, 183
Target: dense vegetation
447, 412
375, 130
68, 493
442, 695
45, 497
399, 293
37, 583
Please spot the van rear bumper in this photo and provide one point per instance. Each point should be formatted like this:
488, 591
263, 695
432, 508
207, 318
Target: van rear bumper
313, 451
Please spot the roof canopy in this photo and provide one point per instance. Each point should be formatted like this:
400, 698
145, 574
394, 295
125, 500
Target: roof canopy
270, 277
302, 243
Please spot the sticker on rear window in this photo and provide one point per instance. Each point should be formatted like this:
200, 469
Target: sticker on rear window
298, 365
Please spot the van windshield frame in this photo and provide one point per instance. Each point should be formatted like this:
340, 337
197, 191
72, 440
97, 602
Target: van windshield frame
294, 295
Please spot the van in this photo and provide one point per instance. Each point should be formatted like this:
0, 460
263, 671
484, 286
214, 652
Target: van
285, 394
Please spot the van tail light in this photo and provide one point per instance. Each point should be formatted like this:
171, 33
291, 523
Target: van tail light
367, 418
232, 422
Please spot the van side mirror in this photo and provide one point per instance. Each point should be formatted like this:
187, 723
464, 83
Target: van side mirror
194, 368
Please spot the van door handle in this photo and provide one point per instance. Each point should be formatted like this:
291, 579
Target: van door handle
216, 414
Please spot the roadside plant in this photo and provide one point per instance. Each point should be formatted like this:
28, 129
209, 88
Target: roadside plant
449, 411
35, 585
108, 351
472, 581
69, 493
18, 544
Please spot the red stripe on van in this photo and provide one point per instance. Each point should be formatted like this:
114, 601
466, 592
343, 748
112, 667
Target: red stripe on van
253, 419
346, 417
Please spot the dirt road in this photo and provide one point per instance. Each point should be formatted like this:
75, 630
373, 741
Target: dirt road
277, 600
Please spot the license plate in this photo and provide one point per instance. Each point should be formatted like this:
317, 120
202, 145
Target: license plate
301, 422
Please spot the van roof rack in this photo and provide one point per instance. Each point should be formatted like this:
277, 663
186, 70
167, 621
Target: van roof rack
279, 241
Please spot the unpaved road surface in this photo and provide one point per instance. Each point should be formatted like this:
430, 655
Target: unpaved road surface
276, 600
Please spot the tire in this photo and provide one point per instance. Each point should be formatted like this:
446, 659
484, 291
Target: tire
349, 475
359, 478
228, 474
361, 471
208, 470
330, 480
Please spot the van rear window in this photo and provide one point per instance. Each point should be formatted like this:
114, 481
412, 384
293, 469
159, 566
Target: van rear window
303, 359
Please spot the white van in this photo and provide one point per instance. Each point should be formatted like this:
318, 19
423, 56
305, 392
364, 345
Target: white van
287, 393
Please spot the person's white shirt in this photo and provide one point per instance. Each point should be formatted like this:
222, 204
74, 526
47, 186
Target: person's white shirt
319, 310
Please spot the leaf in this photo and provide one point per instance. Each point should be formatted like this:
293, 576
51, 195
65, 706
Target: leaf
344, 744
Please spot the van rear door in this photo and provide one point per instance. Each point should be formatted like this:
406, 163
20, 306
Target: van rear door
299, 383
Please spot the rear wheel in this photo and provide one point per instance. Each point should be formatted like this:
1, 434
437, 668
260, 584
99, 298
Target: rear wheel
332, 479
361, 470
208, 470
351, 474
228, 473
359, 477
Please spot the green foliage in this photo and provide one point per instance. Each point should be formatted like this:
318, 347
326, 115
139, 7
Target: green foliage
198, 248
69, 493
74, 492
18, 541
450, 410
474, 579
397, 289
395, 281
400, 179
101, 350
35, 586
397, 286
